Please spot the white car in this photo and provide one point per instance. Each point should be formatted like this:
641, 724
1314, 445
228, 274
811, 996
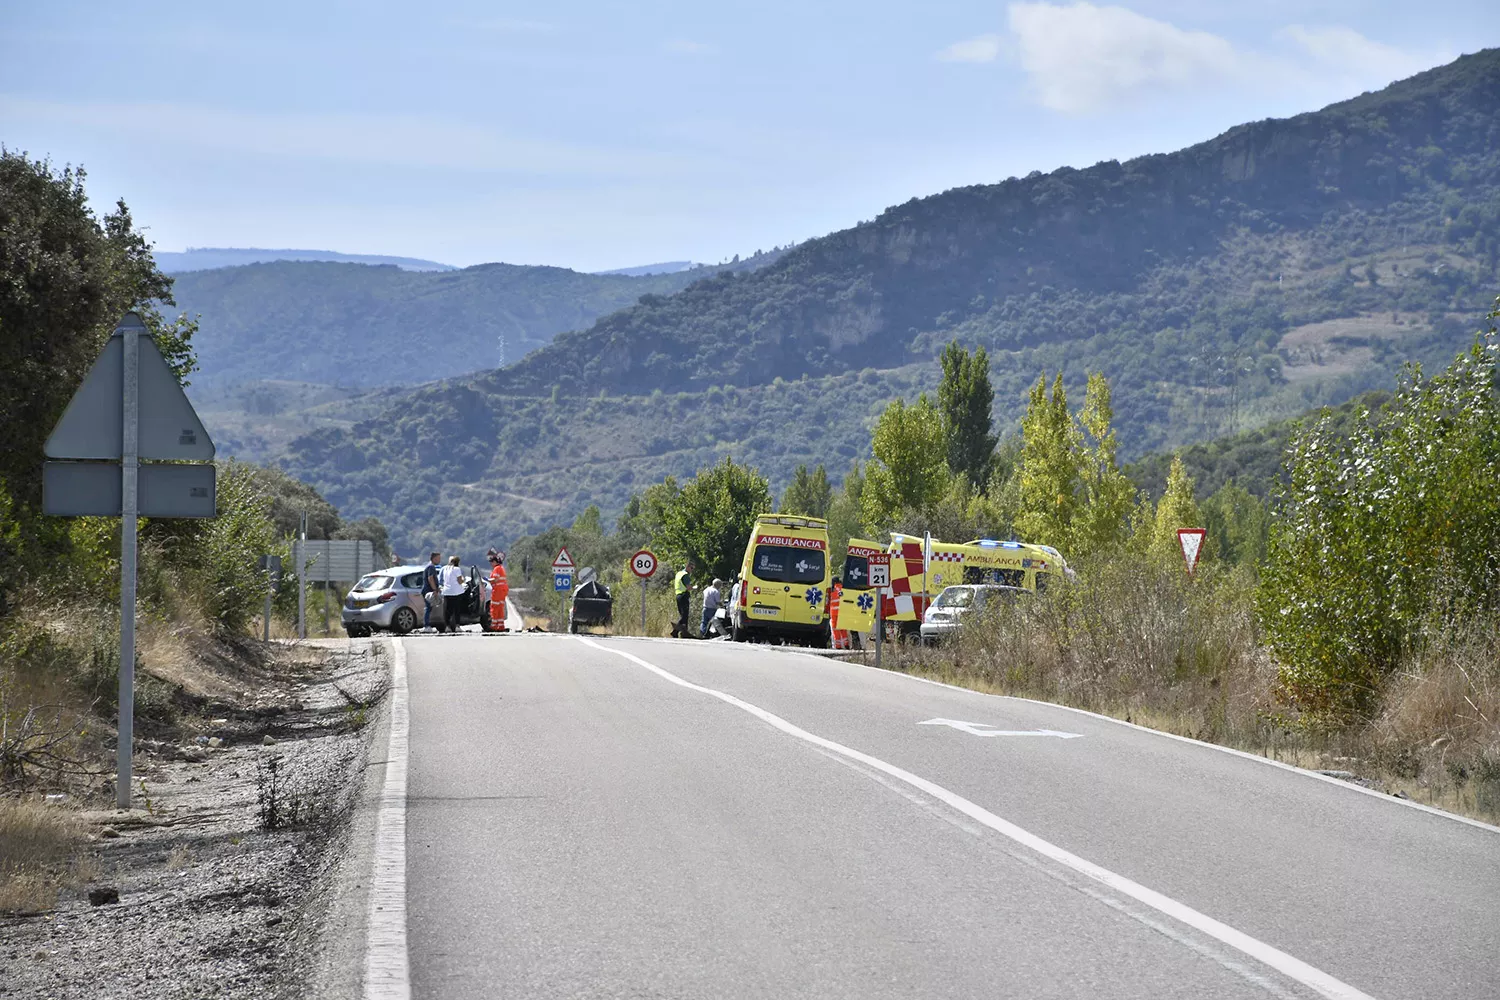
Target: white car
948, 613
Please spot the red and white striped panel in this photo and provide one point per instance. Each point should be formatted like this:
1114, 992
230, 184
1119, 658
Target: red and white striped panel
957, 557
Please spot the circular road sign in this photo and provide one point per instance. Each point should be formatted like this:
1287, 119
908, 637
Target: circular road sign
643, 563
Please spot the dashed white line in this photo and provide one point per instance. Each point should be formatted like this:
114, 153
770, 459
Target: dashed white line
1293, 968
387, 967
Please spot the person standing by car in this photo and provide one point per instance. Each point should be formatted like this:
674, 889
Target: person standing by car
684, 591
430, 588
712, 597
499, 591
452, 581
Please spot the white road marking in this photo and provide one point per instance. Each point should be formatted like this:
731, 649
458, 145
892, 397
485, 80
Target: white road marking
1293, 968
1257, 758
387, 968
983, 729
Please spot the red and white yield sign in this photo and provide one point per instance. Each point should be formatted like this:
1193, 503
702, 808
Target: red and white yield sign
1191, 540
643, 563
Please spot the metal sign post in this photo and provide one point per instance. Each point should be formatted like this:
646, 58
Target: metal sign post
129, 407
879, 568
301, 567
271, 566
129, 522
643, 565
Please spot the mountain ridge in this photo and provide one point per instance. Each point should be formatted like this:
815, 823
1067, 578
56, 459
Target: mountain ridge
1286, 264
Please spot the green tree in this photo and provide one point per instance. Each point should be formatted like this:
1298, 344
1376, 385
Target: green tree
1049, 468
910, 469
710, 520
1102, 521
645, 512
1378, 534
1177, 508
590, 523
66, 278
1237, 522
845, 520
809, 494
964, 399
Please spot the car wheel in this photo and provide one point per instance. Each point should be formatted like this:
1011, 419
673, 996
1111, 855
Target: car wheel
403, 621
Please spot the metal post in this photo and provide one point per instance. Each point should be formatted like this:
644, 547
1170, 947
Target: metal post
129, 473
301, 561
326, 557
643, 605
266, 631
879, 625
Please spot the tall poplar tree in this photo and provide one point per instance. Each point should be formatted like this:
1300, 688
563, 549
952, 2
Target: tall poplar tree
964, 399
1049, 467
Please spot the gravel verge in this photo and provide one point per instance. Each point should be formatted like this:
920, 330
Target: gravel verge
222, 883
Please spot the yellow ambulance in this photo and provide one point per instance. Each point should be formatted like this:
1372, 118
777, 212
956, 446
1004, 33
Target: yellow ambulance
784, 582
921, 569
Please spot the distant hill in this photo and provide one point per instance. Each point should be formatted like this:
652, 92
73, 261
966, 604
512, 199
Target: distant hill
361, 326
208, 258
669, 267
1282, 265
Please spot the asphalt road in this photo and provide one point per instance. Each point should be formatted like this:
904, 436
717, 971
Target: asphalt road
580, 824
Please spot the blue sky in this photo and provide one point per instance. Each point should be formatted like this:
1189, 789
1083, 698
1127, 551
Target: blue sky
596, 135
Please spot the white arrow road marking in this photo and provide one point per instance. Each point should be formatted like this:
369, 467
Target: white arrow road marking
983, 729
1293, 968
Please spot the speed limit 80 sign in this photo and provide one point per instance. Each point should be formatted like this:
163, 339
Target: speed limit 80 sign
643, 563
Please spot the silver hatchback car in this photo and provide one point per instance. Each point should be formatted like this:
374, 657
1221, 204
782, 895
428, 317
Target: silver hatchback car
386, 600
960, 604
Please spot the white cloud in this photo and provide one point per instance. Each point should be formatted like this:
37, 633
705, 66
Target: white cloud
980, 49
1341, 49
1081, 58
392, 140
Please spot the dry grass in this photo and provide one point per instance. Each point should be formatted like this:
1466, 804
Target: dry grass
1150, 647
35, 841
179, 858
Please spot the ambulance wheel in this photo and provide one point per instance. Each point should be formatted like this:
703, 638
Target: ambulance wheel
403, 621
484, 621
824, 638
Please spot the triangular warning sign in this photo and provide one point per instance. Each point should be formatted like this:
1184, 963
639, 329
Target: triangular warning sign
1191, 540
563, 560
169, 427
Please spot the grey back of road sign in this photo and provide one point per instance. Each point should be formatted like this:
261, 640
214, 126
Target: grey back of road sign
76, 489
91, 425
340, 559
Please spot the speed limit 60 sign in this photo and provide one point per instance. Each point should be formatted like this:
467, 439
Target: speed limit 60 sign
643, 563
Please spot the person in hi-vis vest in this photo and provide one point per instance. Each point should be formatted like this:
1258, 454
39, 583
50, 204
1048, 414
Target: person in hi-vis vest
683, 590
499, 591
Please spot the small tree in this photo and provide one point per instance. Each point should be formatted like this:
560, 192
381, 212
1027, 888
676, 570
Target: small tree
710, 520
1177, 508
1049, 468
1101, 522
809, 493
910, 470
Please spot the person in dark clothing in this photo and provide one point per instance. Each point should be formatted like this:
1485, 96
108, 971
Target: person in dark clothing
430, 588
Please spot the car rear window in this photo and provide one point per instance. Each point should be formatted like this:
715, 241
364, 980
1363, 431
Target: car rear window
783, 564
374, 582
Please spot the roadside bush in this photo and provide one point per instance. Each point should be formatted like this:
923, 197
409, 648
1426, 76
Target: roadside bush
1382, 532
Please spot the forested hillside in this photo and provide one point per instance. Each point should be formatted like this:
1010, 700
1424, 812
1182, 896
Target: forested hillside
361, 325
1282, 265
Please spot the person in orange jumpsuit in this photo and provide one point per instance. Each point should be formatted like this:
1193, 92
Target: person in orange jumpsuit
499, 590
